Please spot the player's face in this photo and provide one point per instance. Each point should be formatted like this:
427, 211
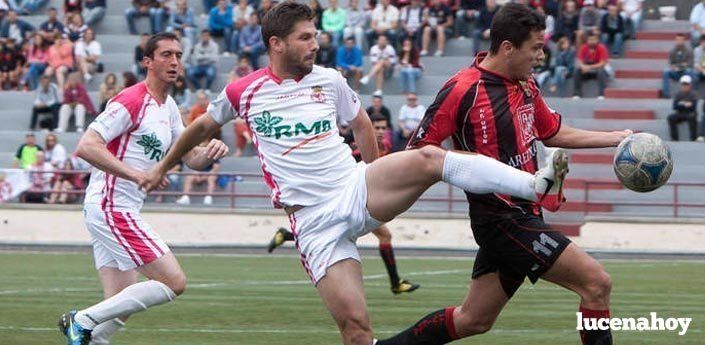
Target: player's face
166, 62
528, 56
300, 48
380, 129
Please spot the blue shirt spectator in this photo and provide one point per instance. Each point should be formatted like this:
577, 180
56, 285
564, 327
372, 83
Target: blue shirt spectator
251, 43
15, 28
219, 18
348, 56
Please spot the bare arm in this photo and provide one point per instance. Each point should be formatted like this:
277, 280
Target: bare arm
201, 157
365, 136
574, 138
92, 149
194, 134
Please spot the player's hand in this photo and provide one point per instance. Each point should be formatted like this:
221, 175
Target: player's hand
621, 135
216, 149
152, 179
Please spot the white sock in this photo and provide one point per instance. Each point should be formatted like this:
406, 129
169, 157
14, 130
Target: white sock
482, 175
132, 299
101, 334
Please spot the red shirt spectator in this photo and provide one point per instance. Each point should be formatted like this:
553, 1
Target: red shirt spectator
76, 93
592, 55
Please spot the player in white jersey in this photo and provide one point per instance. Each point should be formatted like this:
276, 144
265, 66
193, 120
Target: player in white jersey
133, 133
292, 108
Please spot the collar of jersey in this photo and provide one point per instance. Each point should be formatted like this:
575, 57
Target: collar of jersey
276, 78
478, 59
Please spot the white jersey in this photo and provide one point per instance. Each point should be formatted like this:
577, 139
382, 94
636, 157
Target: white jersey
294, 127
139, 131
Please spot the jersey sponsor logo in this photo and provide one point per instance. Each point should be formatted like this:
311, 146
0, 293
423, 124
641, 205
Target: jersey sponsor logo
152, 146
271, 126
526, 123
520, 159
317, 94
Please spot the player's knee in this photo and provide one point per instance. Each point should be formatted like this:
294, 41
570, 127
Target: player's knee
356, 331
468, 325
599, 287
177, 284
431, 158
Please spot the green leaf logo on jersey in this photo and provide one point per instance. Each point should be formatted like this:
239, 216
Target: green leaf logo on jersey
266, 123
152, 146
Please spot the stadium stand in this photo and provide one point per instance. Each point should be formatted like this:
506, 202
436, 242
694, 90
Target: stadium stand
632, 100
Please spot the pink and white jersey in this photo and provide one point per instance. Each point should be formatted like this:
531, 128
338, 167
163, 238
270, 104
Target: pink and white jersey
139, 130
294, 126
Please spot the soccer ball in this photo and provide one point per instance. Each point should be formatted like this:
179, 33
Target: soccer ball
643, 162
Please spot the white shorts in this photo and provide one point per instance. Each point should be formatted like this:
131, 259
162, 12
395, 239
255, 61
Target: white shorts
326, 233
121, 238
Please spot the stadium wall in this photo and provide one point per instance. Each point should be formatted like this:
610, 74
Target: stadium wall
37, 225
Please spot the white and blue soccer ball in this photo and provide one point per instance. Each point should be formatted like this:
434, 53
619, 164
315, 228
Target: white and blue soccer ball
643, 162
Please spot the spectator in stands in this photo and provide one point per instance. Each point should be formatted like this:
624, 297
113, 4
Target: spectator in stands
181, 95
208, 5
243, 136
184, 19
699, 61
73, 6
439, 23
567, 23
41, 175
317, 13
93, 11
46, 101
378, 108
108, 89
412, 19
54, 152
632, 11
564, 66
242, 69
37, 55
355, 22
482, 26
26, 154
333, 22
76, 102
208, 176
27, 6
697, 20
326, 51
199, 108
128, 79
612, 30
138, 68
466, 14
241, 16
410, 67
264, 7
410, 115
64, 183
383, 59
384, 22
204, 58
588, 22
88, 52
550, 23
542, 72
349, 61
15, 28
4, 8
60, 60
680, 63
220, 24
592, 59
52, 26
157, 14
74, 28
186, 49
11, 64
684, 105
139, 8
251, 43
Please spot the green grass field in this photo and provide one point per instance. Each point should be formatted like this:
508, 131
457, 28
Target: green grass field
268, 300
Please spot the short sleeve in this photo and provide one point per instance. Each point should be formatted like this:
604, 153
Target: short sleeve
177, 124
221, 110
439, 120
112, 122
546, 120
347, 103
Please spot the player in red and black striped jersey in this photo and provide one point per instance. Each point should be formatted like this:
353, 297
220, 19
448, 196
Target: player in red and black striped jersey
495, 108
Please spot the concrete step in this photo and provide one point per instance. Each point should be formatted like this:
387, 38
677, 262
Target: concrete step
657, 35
654, 45
624, 114
568, 229
638, 74
595, 184
668, 26
632, 93
646, 54
593, 158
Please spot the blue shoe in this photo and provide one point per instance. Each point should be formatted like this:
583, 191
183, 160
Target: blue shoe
75, 334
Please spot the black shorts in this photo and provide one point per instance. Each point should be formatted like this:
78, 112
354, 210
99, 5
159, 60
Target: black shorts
516, 248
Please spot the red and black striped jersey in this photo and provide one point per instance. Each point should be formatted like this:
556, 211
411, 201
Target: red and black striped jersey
492, 115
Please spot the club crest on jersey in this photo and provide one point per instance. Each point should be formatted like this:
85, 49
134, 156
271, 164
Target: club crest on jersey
525, 115
152, 146
317, 94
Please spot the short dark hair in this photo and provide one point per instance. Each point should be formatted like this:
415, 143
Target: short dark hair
153, 42
680, 34
514, 23
280, 20
378, 117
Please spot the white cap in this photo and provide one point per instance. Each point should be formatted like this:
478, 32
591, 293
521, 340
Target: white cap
686, 79
588, 2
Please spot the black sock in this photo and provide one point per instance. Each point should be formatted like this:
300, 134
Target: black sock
595, 337
387, 253
434, 329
